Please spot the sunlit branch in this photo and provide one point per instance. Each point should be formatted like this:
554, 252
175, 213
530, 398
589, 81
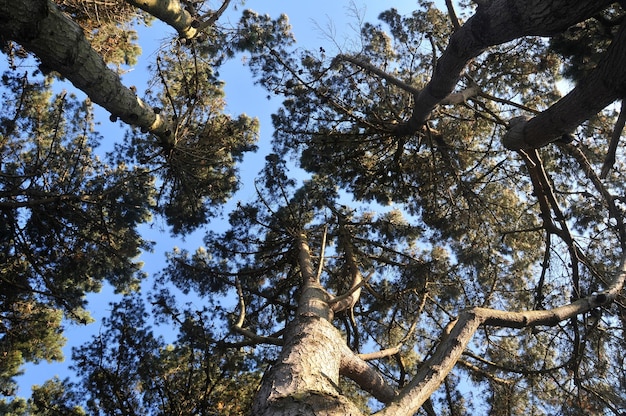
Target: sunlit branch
345, 240
171, 12
72, 55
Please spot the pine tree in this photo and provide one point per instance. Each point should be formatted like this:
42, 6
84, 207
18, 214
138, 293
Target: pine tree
458, 247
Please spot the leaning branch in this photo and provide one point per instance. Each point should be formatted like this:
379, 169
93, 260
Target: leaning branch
61, 46
368, 378
460, 331
171, 12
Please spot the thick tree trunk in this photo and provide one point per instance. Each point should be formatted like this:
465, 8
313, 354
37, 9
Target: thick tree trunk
61, 46
305, 378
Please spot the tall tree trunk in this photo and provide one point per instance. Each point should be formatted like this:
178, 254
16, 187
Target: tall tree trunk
305, 378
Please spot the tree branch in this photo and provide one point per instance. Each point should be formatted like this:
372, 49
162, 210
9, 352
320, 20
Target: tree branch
238, 325
459, 332
60, 44
366, 377
376, 71
605, 84
609, 161
499, 22
171, 12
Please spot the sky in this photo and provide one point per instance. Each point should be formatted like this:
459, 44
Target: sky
312, 22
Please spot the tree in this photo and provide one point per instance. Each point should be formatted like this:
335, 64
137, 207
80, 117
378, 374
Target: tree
458, 247
70, 218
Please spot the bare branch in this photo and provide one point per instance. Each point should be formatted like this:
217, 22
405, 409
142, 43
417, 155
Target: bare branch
376, 71
238, 326
609, 161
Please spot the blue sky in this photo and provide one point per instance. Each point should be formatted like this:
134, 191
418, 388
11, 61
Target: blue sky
311, 22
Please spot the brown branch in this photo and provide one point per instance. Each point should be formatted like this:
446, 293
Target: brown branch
609, 161
366, 377
459, 332
499, 22
602, 86
238, 325
453, 17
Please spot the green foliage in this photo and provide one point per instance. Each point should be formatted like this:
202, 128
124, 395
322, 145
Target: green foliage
198, 167
420, 225
68, 219
109, 28
457, 221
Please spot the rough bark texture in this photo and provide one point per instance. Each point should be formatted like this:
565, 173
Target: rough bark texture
604, 85
59, 43
305, 378
495, 22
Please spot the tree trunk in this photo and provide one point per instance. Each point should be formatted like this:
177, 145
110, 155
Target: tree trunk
305, 378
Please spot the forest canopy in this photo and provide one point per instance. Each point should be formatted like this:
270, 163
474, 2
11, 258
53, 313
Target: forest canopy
438, 227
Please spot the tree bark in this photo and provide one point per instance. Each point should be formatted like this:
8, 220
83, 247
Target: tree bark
305, 379
604, 85
495, 22
170, 12
61, 46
